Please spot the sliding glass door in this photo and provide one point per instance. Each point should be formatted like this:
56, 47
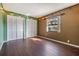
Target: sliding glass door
20, 28
14, 27
31, 27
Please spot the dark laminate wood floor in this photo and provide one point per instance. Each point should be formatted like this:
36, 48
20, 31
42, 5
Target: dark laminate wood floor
37, 47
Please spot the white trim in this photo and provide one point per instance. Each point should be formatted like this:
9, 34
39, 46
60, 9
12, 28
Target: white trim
73, 45
2, 44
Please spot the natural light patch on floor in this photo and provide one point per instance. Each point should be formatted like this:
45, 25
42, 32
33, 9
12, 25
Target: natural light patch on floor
36, 39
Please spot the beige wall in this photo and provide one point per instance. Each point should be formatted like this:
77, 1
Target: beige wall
69, 26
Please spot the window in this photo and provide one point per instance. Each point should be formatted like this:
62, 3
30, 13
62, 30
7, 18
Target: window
53, 24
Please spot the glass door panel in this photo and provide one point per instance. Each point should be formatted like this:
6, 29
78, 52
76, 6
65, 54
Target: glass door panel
11, 27
31, 28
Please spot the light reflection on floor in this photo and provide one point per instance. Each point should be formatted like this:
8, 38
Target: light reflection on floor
36, 39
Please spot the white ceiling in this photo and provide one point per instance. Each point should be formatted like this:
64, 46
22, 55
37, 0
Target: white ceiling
35, 9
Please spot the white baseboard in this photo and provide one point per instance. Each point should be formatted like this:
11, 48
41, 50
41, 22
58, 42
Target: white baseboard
1, 44
73, 45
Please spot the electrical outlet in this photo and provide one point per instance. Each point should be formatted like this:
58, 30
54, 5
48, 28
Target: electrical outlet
68, 41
